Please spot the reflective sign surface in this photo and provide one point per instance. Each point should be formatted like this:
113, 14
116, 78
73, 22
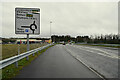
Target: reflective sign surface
27, 21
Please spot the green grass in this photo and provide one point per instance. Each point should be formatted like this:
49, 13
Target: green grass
100, 45
9, 50
11, 71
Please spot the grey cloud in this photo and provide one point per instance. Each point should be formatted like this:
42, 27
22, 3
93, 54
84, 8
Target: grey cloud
82, 18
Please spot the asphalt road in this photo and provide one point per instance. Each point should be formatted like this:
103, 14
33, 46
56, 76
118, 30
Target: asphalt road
57, 62
103, 60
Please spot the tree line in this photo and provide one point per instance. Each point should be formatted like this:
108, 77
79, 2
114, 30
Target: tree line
106, 39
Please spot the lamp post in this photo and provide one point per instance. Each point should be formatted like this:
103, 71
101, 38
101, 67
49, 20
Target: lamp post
50, 31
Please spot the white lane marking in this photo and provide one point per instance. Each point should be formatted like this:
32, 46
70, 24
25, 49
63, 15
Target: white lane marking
78, 58
101, 52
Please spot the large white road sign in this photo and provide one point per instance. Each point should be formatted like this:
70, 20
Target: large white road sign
27, 21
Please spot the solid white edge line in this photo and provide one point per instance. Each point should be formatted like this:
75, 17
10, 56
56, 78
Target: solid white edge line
98, 74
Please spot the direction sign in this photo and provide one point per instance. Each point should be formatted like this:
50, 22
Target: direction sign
27, 21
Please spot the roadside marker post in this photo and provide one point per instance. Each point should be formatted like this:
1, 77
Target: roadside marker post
16, 63
27, 21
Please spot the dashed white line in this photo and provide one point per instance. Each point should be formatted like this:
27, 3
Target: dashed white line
103, 53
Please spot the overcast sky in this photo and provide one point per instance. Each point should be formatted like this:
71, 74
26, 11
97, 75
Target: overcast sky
69, 18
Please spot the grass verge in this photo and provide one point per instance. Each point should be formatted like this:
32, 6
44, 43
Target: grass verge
11, 71
9, 50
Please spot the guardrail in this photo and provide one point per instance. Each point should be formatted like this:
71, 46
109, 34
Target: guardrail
15, 59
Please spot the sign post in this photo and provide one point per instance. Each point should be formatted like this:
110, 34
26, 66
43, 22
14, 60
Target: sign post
27, 21
28, 46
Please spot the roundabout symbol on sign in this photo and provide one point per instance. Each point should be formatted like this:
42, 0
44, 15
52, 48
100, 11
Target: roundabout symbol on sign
32, 27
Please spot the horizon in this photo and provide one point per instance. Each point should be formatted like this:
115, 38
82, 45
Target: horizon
60, 35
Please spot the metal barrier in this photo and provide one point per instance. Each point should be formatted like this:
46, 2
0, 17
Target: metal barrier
14, 59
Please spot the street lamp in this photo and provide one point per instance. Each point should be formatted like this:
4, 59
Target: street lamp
50, 31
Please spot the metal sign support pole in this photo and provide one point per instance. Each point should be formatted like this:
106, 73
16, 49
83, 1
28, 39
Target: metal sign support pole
28, 46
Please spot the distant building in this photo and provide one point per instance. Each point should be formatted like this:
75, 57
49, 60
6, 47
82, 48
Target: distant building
0, 41
48, 41
24, 41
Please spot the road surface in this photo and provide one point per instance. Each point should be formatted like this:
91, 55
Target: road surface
56, 62
103, 59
